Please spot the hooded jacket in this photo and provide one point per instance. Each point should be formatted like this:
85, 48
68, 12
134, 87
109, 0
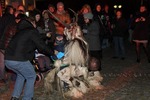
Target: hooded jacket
23, 45
119, 27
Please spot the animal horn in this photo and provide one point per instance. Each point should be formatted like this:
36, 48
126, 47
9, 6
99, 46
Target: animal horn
66, 25
75, 14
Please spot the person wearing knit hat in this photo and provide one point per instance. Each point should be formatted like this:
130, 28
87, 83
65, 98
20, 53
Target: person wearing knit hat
88, 15
63, 16
60, 4
91, 33
60, 8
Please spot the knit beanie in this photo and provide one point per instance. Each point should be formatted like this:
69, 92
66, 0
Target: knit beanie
60, 4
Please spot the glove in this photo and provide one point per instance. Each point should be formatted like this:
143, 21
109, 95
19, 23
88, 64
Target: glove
60, 55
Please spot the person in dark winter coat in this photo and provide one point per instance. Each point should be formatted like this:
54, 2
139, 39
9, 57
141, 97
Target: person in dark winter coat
20, 52
49, 28
141, 31
97, 12
7, 30
46, 28
91, 34
119, 29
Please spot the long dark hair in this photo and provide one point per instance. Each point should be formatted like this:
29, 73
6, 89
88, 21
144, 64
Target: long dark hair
7, 9
39, 23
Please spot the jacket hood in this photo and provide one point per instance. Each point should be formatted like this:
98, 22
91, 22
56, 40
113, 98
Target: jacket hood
24, 24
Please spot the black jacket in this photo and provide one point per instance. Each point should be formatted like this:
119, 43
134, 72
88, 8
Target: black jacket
141, 28
120, 27
23, 45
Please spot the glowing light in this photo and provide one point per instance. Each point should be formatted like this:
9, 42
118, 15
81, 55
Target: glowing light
120, 6
115, 6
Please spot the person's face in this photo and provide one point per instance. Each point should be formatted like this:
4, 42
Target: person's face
106, 8
21, 8
37, 17
45, 16
142, 9
11, 11
51, 9
118, 14
85, 10
98, 8
60, 8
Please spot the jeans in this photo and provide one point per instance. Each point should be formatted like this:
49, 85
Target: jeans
25, 74
2, 65
119, 46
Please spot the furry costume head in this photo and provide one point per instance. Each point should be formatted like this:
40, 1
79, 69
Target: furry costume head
73, 32
76, 52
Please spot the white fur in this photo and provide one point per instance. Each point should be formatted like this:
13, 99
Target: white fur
95, 80
49, 79
76, 57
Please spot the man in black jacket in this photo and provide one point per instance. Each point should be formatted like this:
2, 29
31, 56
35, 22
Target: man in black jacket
18, 55
119, 30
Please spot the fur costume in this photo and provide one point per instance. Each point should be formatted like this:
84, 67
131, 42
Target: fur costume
94, 79
72, 71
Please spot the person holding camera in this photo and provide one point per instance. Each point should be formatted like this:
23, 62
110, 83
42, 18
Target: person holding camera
141, 31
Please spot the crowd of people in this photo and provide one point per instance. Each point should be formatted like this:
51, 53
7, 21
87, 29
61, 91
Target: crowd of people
39, 35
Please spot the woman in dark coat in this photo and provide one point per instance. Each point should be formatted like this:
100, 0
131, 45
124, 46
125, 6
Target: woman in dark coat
92, 36
141, 31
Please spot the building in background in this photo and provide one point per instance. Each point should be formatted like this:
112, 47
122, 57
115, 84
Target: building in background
29, 4
2, 6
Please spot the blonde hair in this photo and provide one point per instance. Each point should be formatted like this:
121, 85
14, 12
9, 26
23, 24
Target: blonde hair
86, 6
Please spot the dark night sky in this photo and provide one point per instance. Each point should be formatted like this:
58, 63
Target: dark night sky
129, 6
